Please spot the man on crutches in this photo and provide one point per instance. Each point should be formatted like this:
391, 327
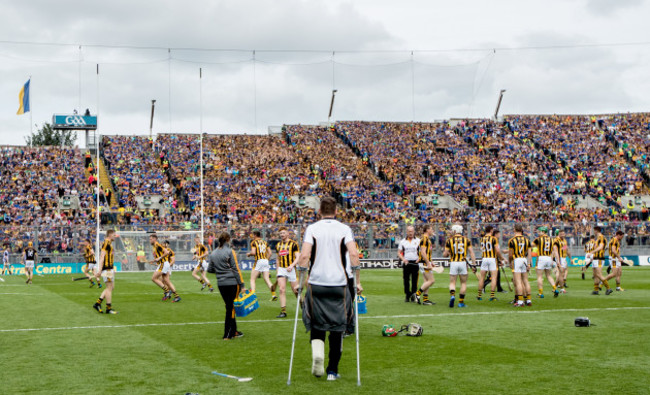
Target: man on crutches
327, 297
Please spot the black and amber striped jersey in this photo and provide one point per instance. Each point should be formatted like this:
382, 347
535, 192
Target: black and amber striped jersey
287, 251
614, 247
458, 247
200, 250
171, 253
519, 246
561, 245
600, 241
544, 245
260, 247
590, 246
107, 249
158, 250
89, 255
425, 243
489, 245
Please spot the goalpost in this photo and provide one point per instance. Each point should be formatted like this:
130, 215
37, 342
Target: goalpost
132, 248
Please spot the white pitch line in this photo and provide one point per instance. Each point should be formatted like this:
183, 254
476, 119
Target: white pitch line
67, 328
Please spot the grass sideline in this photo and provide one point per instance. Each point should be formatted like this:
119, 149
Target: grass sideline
52, 341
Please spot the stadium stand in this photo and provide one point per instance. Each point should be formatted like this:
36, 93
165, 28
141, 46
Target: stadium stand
575, 170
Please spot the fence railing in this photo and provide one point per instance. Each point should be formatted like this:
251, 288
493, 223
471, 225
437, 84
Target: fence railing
377, 240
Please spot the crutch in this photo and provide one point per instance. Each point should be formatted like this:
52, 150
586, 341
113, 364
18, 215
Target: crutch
302, 271
356, 321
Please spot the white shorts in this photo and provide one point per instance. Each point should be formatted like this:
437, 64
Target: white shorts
544, 263
108, 275
615, 262
90, 267
422, 269
521, 265
29, 264
597, 263
166, 268
457, 268
262, 265
203, 265
488, 264
290, 275
7, 264
563, 263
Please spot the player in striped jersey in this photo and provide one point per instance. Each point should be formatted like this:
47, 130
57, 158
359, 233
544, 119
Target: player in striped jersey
561, 254
520, 258
106, 269
422, 294
161, 260
200, 253
456, 248
167, 276
490, 262
544, 246
89, 269
288, 252
261, 251
598, 253
615, 260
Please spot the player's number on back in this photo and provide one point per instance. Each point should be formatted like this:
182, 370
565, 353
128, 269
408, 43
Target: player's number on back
459, 248
487, 247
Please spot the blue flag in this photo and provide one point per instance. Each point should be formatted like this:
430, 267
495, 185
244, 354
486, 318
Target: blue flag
23, 98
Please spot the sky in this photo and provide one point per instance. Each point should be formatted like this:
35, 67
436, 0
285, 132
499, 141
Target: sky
249, 66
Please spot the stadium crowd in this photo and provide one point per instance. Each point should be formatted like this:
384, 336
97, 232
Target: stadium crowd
519, 170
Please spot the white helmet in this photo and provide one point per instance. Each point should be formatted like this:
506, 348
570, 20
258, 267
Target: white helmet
458, 229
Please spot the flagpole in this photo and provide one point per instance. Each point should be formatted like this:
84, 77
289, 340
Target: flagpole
201, 142
31, 122
98, 214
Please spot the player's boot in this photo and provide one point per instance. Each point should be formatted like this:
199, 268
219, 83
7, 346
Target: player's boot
282, 315
541, 296
493, 299
177, 299
609, 291
211, 289
98, 307
203, 286
428, 303
595, 293
461, 304
451, 301
111, 311
556, 293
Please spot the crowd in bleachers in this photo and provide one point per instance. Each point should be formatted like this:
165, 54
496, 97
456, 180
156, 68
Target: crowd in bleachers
519, 170
31, 183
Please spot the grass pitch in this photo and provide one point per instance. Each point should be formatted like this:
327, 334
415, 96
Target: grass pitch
52, 341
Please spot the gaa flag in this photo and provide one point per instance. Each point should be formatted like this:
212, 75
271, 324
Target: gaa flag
23, 99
